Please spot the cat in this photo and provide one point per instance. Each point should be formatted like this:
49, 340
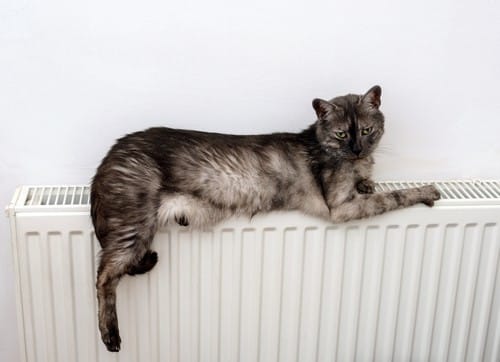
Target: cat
161, 176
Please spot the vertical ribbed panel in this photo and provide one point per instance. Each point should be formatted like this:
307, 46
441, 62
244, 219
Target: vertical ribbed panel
283, 287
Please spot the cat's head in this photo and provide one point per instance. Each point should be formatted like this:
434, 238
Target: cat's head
350, 126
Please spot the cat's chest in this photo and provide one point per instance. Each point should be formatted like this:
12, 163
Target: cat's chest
363, 168
353, 167
347, 174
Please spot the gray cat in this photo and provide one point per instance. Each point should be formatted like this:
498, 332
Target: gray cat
162, 176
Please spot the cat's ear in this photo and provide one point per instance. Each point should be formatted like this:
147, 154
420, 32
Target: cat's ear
373, 96
322, 107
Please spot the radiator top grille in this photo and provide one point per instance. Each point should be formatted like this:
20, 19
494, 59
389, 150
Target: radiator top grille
451, 190
72, 196
57, 195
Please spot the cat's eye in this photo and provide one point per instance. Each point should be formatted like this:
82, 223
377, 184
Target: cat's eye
341, 134
366, 131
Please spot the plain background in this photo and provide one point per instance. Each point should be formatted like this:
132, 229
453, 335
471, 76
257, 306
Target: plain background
74, 76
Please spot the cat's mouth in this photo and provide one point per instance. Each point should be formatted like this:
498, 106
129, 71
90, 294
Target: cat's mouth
357, 157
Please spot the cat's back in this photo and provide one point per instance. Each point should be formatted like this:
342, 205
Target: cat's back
229, 169
177, 156
172, 148
159, 146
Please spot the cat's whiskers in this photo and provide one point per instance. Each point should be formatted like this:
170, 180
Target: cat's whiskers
384, 150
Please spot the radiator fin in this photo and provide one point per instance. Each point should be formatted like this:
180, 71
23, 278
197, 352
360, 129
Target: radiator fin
282, 288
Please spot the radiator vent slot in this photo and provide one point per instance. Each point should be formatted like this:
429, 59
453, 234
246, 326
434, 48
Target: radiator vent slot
451, 190
57, 195
36, 197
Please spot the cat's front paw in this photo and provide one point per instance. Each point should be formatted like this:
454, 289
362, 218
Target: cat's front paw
429, 194
365, 186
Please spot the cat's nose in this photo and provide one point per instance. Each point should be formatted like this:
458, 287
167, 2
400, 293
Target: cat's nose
356, 149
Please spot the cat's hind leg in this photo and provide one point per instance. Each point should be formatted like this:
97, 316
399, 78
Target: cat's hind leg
120, 256
112, 266
188, 210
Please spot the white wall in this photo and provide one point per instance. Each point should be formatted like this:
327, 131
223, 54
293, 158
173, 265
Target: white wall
76, 75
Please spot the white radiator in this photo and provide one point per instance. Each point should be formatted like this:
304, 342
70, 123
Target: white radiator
418, 284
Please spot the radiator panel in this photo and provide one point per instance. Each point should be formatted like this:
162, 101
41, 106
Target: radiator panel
417, 284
